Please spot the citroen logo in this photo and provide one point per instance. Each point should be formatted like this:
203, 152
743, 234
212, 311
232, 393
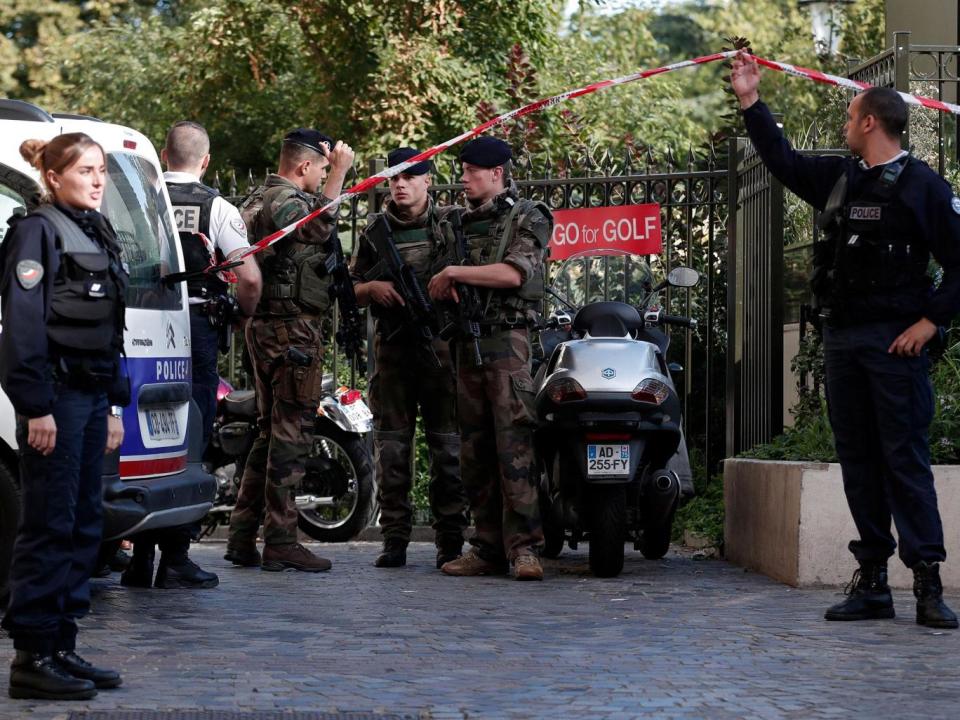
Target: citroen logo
171, 337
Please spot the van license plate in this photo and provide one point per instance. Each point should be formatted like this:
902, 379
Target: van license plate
608, 460
162, 424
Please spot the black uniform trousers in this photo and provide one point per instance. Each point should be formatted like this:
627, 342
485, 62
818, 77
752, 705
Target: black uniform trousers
880, 407
60, 525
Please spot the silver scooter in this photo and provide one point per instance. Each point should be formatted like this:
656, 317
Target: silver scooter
609, 433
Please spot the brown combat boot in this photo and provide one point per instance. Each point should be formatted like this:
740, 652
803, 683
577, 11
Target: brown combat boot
472, 564
292, 556
527, 567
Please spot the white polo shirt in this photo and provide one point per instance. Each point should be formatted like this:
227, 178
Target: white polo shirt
227, 231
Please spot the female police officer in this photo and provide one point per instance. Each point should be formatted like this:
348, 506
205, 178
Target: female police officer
62, 287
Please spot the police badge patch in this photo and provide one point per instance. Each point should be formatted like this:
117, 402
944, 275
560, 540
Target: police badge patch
955, 204
29, 273
237, 224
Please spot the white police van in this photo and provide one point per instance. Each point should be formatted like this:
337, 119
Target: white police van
156, 480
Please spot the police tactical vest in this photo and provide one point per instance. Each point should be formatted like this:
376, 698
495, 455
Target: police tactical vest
87, 304
192, 204
868, 249
295, 278
487, 240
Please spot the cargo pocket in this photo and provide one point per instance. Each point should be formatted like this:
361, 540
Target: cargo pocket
523, 398
306, 384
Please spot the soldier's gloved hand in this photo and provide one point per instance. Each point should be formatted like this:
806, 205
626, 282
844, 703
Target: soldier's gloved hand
383, 293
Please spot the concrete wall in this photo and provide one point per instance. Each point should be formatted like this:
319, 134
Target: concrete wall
790, 520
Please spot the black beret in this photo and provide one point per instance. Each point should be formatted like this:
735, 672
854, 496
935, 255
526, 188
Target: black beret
395, 157
486, 151
309, 138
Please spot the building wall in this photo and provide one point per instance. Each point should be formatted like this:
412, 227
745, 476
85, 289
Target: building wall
930, 22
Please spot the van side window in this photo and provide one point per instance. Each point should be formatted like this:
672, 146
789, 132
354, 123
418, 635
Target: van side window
135, 204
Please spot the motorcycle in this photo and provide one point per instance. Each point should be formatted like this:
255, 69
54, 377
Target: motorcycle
609, 432
337, 497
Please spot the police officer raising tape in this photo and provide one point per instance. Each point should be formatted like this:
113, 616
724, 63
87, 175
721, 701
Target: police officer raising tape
884, 214
60, 269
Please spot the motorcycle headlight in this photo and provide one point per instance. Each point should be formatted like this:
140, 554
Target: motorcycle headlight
651, 390
565, 390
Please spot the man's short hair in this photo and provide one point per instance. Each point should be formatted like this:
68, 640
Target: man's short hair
886, 105
187, 144
292, 154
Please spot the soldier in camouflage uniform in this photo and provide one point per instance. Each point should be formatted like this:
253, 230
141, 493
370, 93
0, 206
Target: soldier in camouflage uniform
506, 239
286, 348
406, 377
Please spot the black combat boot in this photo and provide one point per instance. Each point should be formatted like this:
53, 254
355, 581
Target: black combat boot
394, 554
39, 676
102, 678
139, 572
183, 573
932, 611
448, 549
244, 556
868, 596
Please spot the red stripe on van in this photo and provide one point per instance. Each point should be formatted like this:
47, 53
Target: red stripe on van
158, 466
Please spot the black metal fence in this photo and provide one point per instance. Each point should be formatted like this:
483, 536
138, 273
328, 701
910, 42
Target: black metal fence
693, 198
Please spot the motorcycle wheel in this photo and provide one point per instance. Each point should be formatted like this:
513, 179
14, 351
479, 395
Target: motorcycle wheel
553, 533
9, 517
341, 467
655, 541
607, 524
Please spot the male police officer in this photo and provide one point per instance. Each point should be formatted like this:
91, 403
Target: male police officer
885, 213
285, 345
211, 230
413, 369
506, 241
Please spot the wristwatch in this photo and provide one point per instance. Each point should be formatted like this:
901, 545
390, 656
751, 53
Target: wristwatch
116, 411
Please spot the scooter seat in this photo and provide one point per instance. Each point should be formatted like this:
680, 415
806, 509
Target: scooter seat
241, 403
608, 319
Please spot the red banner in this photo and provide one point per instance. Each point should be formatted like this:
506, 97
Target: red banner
607, 230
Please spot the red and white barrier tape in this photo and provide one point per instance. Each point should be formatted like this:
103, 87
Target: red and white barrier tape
389, 172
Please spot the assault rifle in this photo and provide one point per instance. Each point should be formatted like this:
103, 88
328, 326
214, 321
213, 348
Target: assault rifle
416, 315
350, 334
460, 320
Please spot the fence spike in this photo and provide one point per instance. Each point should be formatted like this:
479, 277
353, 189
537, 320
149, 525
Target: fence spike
691, 158
671, 161
233, 182
547, 166
216, 180
650, 159
250, 186
627, 161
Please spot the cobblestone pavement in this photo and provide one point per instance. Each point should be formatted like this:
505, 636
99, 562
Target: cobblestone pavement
671, 638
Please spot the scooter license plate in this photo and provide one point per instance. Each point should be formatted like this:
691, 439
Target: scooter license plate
608, 460
162, 424
357, 412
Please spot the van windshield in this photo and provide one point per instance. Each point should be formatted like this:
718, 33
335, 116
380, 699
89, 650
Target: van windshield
137, 209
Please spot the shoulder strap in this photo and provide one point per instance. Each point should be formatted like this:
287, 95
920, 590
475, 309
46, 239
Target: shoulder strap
72, 238
835, 203
505, 234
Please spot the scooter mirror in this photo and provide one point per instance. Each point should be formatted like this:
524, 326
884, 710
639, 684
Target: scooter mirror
683, 277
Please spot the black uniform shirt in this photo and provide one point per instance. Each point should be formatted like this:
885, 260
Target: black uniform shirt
928, 196
25, 358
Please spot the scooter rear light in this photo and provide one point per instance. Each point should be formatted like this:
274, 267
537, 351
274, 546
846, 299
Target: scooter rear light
651, 390
565, 390
350, 397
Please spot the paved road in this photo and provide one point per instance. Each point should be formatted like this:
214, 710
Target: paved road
673, 638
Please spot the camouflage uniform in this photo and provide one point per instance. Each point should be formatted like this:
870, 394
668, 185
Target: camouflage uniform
289, 316
403, 381
495, 401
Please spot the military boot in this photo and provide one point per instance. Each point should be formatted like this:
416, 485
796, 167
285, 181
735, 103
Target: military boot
39, 676
472, 564
527, 567
932, 611
245, 555
394, 554
448, 550
292, 556
139, 572
184, 573
102, 678
868, 596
